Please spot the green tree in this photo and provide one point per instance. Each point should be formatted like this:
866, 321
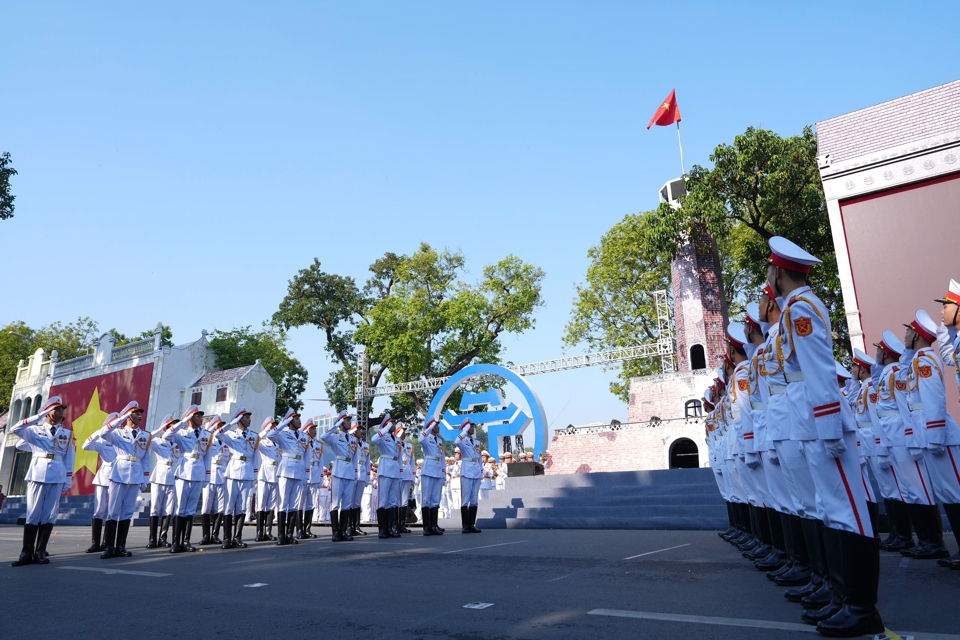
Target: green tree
615, 306
762, 185
13, 349
415, 317
6, 198
244, 346
166, 337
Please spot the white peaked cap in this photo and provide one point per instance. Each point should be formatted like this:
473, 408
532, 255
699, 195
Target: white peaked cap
736, 335
786, 254
891, 344
862, 359
842, 371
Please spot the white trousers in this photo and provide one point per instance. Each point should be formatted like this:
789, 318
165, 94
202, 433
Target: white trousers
323, 512
188, 496
430, 489
389, 489
43, 502
102, 502
290, 494
214, 498
885, 480
912, 477
455, 487
162, 498
777, 485
359, 489
945, 474
366, 504
735, 482
840, 495
867, 485
238, 496
749, 482
341, 496
796, 473
469, 491
403, 495
266, 495
123, 501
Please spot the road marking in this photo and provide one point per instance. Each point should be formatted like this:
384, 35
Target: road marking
110, 572
502, 544
905, 563
741, 622
478, 605
609, 562
256, 584
650, 553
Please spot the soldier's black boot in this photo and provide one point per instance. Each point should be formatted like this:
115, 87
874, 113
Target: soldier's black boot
282, 528
436, 516
175, 545
798, 574
465, 520
953, 515
823, 596
238, 534
187, 530
154, 527
269, 531
109, 539
96, 532
123, 527
902, 525
335, 535
392, 522
763, 532
381, 529
345, 519
473, 520
308, 523
217, 521
777, 557
860, 557
357, 531
228, 533
43, 537
29, 545
933, 546
833, 556
164, 528
805, 534
292, 526
261, 526
402, 521
889, 507
428, 522
874, 510
205, 529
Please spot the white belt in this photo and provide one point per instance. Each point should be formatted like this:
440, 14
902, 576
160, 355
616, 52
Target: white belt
915, 406
193, 456
53, 456
776, 389
169, 464
292, 456
130, 458
433, 457
240, 458
342, 458
473, 459
388, 457
274, 463
793, 376
888, 414
864, 425
734, 412
758, 406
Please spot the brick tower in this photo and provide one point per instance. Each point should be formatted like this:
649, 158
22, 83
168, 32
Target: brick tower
699, 308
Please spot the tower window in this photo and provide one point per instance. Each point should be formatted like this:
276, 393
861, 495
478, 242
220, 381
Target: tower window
692, 409
698, 358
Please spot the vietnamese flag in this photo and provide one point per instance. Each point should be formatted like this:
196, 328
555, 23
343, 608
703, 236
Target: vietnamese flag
668, 113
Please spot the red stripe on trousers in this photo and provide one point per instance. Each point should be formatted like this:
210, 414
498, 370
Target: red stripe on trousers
846, 486
897, 483
954, 463
920, 473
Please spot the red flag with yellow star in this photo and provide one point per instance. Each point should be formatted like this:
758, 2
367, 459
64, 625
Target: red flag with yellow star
668, 113
89, 402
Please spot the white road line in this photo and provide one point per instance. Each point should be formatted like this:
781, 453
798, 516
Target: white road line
741, 622
650, 553
110, 572
502, 544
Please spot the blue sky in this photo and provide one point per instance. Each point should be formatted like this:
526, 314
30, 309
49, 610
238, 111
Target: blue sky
181, 163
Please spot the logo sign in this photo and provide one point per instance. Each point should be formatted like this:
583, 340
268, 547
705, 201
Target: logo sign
499, 420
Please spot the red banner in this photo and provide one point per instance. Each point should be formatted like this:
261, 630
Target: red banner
89, 402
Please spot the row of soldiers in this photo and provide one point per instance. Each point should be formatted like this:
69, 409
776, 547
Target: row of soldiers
794, 438
222, 463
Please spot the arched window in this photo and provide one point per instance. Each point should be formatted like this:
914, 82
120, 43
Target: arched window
26, 408
684, 454
17, 406
692, 409
698, 357
37, 403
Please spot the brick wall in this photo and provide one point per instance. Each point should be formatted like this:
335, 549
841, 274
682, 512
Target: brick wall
628, 450
920, 115
664, 395
699, 310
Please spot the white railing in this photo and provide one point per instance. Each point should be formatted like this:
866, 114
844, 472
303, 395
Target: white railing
72, 366
32, 381
624, 426
132, 350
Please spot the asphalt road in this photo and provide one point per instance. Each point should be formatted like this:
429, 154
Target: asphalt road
541, 584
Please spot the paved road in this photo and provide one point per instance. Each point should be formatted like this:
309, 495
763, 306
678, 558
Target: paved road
542, 584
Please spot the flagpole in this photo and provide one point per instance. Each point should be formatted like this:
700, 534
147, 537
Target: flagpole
680, 142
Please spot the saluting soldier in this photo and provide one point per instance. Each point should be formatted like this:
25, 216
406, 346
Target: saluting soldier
162, 480
314, 475
470, 475
101, 482
214, 501
388, 478
432, 476
407, 471
949, 343
343, 446
363, 478
240, 475
194, 442
49, 476
268, 461
292, 473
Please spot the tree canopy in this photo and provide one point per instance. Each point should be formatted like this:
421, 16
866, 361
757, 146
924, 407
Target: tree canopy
6, 197
415, 317
615, 306
244, 346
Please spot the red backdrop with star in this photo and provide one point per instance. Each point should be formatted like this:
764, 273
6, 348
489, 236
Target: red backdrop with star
89, 401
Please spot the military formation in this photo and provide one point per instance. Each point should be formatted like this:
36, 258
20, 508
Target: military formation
797, 444
233, 474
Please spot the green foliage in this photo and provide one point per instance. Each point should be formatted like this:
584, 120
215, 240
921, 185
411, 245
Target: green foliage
761, 186
166, 337
415, 317
71, 340
6, 198
615, 306
13, 349
244, 346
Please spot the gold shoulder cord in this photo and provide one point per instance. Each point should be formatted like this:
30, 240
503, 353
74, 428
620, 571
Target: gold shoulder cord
892, 386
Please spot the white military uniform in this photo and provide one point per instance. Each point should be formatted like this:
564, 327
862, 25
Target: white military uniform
267, 478
241, 469
388, 469
215, 490
163, 478
471, 471
407, 472
191, 474
344, 447
101, 481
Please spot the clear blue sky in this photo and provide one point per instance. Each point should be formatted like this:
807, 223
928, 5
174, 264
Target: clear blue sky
182, 162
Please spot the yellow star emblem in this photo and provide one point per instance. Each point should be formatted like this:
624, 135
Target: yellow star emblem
666, 105
83, 427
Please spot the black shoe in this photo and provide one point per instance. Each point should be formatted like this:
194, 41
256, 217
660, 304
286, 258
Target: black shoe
861, 576
282, 529
30, 532
473, 520
928, 551
787, 567
898, 544
953, 562
24, 559
465, 520
357, 531
227, 533
154, 528
43, 537
205, 538
335, 535
96, 532
109, 539
217, 522
798, 576
382, 525
123, 527
187, 529
261, 527
238, 534
269, 528
164, 528
176, 545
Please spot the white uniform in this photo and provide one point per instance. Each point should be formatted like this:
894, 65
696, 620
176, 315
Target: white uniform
471, 470
215, 490
388, 469
344, 448
291, 473
191, 474
268, 463
101, 481
433, 472
407, 471
163, 478
51, 467
241, 469
130, 473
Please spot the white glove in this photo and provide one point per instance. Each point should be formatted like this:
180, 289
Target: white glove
937, 449
835, 447
67, 485
916, 453
773, 457
752, 460
143, 486
884, 462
